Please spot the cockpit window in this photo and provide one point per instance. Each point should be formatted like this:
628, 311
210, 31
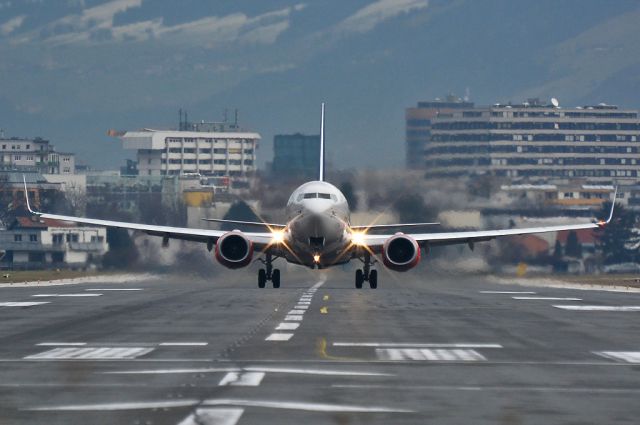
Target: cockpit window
310, 195
324, 196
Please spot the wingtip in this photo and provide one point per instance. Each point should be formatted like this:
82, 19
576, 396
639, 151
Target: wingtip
26, 196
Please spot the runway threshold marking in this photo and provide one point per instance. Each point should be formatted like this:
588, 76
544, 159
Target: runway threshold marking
599, 307
548, 298
620, 356
287, 326
91, 353
242, 379
429, 354
213, 416
22, 303
279, 337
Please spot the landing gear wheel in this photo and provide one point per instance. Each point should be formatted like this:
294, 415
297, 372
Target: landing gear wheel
373, 279
275, 278
262, 278
359, 278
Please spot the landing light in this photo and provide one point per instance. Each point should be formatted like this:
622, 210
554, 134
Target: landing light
316, 258
277, 236
357, 238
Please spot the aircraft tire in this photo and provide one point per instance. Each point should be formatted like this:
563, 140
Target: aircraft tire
373, 279
359, 278
275, 278
262, 278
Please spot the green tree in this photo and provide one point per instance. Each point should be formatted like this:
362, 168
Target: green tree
412, 209
574, 247
239, 211
616, 237
347, 190
557, 250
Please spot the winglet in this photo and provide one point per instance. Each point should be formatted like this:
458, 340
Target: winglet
321, 176
26, 196
601, 223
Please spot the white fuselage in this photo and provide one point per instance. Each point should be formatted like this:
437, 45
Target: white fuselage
318, 226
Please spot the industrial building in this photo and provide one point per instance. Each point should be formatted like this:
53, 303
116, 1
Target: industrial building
36, 154
536, 142
296, 155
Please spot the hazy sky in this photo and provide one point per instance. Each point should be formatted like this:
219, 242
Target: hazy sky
70, 70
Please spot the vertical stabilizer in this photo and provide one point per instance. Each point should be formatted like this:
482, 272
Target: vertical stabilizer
321, 177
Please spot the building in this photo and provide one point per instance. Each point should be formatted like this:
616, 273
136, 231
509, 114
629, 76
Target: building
206, 148
42, 193
418, 126
296, 155
34, 155
36, 243
567, 195
536, 142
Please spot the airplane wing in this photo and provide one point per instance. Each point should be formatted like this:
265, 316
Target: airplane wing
273, 226
391, 226
470, 237
260, 240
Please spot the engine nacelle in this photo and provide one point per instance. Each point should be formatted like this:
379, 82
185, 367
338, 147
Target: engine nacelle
234, 250
401, 252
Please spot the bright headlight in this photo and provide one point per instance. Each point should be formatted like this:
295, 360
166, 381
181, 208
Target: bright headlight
357, 238
277, 236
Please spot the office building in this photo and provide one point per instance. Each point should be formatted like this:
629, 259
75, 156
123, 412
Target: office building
296, 155
37, 155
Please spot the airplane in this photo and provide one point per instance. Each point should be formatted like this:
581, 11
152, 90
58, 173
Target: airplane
318, 235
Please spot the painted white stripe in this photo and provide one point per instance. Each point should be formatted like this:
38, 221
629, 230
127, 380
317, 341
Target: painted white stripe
114, 289
181, 344
242, 379
301, 307
297, 311
66, 295
621, 356
318, 284
293, 318
61, 344
304, 302
22, 304
213, 416
508, 292
117, 406
323, 372
278, 337
287, 326
425, 354
415, 345
92, 353
599, 307
310, 407
548, 298
172, 371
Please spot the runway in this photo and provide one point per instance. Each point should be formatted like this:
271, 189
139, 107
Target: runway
422, 348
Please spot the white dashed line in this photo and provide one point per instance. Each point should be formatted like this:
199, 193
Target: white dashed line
304, 302
114, 289
309, 407
296, 311
396, 354
293, 318
242, 379
62, 344
97, 353
22, 304
621, 356
287, 326
183, 344
279, 337
414, 345
301, 307
116, 406
213, 416
548, 298
67, 295
508, 292
599, 307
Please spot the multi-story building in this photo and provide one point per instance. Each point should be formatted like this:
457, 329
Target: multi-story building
418, 125
536, 142
34, 155
296, 155
209, 150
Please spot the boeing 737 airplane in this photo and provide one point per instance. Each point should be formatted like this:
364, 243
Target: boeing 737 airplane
318, 235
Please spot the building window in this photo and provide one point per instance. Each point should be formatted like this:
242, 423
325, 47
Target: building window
33, 238
57, 239
17, 238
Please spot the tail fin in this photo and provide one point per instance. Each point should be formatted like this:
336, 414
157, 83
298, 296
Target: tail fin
321, 177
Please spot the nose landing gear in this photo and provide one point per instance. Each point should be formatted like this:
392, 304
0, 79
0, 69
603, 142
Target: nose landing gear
366, 274
270, 274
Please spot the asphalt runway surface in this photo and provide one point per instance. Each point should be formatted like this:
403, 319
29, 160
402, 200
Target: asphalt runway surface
423, 348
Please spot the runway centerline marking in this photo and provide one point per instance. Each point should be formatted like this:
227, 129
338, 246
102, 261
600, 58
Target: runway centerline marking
183, 344
415, 345
429, 354
279, 337
22, 303
67, 295
310, 407
620, 356
508, 292
287, 326
242, 379
114, 289
599, 307
213, 416
263, 369
61, 344
548, 298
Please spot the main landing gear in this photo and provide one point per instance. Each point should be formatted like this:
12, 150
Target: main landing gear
269, 274
366, 274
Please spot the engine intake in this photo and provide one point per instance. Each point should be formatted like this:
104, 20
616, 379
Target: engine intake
401, 253
234, 250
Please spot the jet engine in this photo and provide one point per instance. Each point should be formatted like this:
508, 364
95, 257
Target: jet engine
400, 252
234, 250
